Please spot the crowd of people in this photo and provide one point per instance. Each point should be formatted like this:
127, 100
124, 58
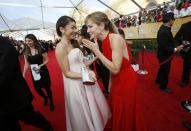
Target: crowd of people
166, 49
20, 45
93, 112
179, 8
86, 107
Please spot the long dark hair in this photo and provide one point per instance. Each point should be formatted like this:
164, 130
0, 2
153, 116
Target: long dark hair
84, 33
121, 32
37, 45
62, 22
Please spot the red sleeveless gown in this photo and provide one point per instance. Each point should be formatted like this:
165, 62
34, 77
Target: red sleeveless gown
125, 114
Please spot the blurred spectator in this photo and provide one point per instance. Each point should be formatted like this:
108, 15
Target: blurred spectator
186, 9
123, 21
180, 8
159, 16
134, 21
139, 17
129, 21
116, 22
152, 17
186, 4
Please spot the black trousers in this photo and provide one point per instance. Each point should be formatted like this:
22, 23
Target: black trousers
163, 73
28, 115
186, 68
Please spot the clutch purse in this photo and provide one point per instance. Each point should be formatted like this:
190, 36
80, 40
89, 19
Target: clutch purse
86, 77
35, 75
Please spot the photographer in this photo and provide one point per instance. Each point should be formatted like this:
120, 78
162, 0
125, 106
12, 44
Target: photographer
183, 37
165, 49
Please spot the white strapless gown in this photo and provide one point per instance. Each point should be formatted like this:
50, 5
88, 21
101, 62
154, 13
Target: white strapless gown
86, 106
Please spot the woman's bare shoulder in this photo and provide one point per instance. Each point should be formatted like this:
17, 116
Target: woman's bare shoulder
115, 36
61, 48
115, 39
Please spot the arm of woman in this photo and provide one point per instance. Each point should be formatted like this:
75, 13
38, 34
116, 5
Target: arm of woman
61, 56
45, 59
89, 62
117, 53
26, 66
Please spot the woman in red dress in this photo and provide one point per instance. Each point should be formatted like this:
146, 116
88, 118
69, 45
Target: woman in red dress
125, 114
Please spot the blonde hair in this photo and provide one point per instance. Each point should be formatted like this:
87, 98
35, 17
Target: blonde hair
100, 17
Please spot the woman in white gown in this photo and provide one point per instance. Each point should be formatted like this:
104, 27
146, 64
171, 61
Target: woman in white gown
86, 106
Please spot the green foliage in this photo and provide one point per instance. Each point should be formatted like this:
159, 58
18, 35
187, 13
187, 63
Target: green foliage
151, 45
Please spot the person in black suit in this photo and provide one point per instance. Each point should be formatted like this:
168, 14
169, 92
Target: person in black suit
183, 36
165, 50
15, 96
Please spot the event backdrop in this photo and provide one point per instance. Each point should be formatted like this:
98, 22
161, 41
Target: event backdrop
146, 31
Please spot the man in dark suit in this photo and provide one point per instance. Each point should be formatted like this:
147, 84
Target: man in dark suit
183, 36
15, 96
165, 50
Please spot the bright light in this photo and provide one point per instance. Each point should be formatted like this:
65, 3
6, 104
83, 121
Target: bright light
19, 5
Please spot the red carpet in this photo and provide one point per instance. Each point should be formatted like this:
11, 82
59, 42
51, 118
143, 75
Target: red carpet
57, 117
161, 112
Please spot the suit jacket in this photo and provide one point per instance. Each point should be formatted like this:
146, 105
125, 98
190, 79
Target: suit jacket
165, 42
14, 91
184, 34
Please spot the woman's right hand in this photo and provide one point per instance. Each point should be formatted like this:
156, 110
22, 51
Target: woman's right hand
90, 45
37, 69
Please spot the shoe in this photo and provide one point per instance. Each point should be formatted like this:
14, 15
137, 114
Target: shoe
51, 106
166, 90
186, 105
183, 84
45, 102
187, 125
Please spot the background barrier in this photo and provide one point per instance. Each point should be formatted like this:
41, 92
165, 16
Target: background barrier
149, 30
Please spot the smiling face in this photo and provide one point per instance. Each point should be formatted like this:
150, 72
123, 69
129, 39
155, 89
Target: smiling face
29, 42
70, 30
94, 29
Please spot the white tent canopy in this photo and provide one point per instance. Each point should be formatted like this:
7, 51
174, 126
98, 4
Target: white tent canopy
25, 16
